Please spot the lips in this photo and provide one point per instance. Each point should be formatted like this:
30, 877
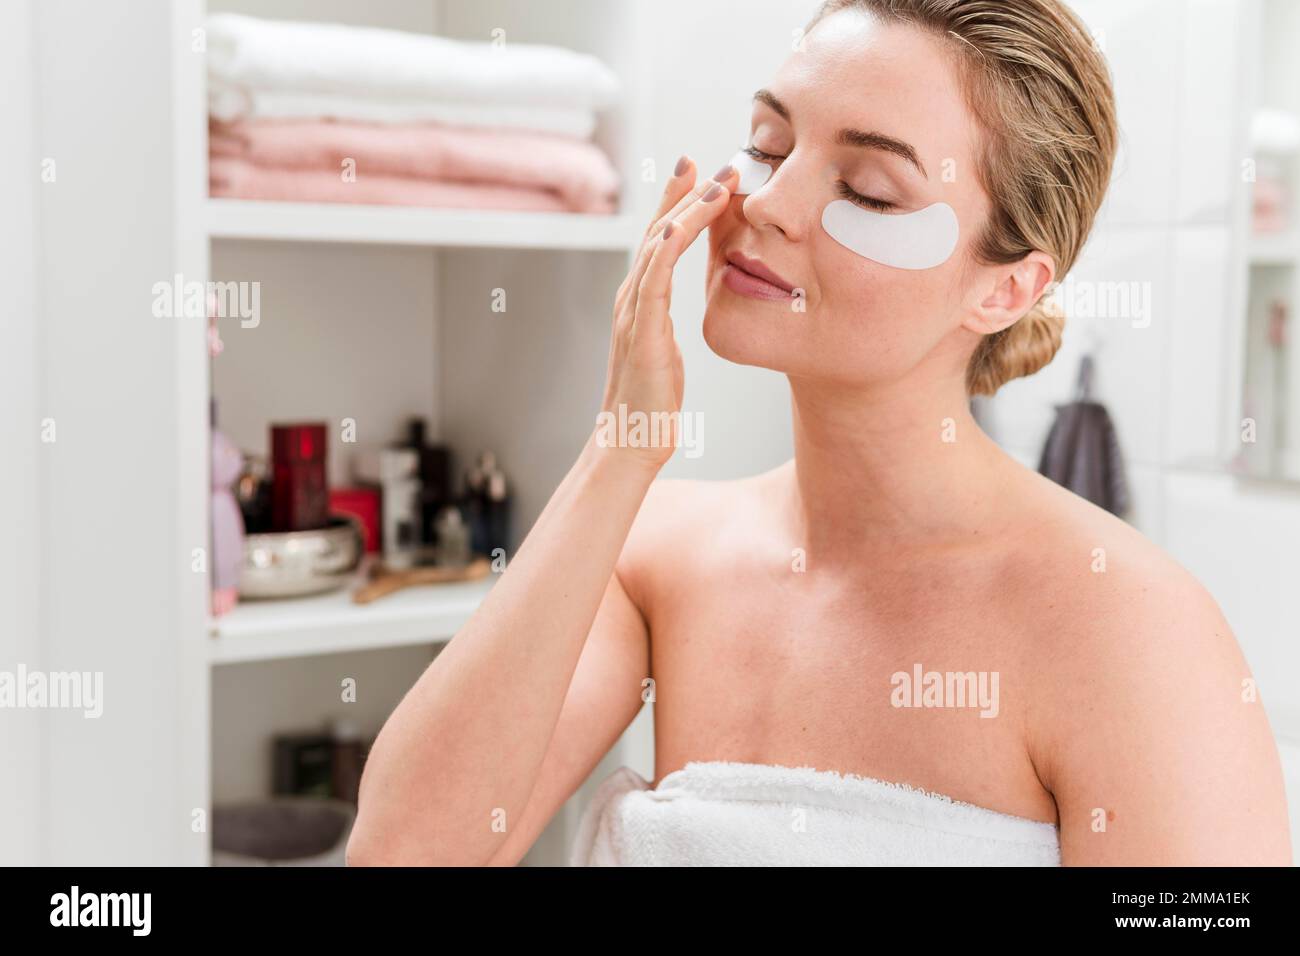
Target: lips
755, 269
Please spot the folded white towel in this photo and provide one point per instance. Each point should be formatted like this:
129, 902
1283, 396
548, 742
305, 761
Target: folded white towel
739, 814
369, 62
230, 103
1275, 131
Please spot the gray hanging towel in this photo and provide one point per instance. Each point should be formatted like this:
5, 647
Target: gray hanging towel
1082, 451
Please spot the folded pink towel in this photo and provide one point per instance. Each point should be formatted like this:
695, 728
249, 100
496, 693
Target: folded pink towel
237, 179
1269, 206
574, 170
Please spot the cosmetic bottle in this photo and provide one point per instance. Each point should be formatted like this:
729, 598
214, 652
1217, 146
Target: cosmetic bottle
497, 510
487, 501
253, 492
434, 473
400, 491
453, 538
364, 505
299, 492
345, 760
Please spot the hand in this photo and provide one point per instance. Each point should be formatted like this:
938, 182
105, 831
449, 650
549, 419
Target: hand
645, 380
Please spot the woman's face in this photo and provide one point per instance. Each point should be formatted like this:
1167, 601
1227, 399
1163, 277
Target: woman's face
873, 113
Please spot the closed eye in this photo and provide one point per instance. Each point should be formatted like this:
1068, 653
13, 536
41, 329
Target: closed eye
845, 191
755, 153
867, 202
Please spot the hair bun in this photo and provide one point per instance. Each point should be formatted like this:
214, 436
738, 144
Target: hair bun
1018, 350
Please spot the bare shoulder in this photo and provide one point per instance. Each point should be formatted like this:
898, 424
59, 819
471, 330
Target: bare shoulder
683, 523
1102, 577
1144, 720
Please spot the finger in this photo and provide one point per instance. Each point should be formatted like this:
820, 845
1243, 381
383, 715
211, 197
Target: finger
724, 176
655, 287
693, 213
679, 184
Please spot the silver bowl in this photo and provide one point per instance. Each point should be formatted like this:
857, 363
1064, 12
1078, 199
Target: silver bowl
296, 563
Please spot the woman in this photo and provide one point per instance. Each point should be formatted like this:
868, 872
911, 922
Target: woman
921, 171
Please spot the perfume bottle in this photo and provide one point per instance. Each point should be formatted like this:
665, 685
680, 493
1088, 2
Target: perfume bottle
400, 490
488, 504
434, 473
299, 492
453, 538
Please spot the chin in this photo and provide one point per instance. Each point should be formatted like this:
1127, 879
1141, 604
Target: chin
757, 334
744, 331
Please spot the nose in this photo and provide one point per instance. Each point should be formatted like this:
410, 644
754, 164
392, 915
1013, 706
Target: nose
787, 202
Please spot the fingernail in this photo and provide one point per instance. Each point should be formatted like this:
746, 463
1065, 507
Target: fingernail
668, 229
723, 173
714, 192
683, 164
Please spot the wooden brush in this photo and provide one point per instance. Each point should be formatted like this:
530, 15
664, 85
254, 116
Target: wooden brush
384, 581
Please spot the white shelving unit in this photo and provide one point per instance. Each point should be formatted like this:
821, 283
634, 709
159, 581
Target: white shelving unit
233, 219
1279, 250
422, 278
1267, 266
332, 624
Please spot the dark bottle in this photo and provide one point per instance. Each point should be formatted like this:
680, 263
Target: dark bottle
435, 479
345, 760
487, 504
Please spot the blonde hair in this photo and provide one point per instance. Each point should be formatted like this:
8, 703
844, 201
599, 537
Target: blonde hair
1042, 93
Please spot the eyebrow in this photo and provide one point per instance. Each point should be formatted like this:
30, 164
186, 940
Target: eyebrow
852, 137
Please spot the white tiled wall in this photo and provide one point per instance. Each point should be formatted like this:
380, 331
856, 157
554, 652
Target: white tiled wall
1178, 68
1166, 222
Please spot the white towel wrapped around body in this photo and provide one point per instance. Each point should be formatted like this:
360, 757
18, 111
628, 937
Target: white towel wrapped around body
361, 62
719, 813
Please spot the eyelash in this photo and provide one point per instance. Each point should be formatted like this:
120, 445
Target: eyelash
844, 189
867, 202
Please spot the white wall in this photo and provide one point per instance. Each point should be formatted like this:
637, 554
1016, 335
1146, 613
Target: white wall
109, 550
344, 332
524, 383
709, 60
1166, 224
22, 823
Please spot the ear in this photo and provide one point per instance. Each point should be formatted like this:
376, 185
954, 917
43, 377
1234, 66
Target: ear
1016, 287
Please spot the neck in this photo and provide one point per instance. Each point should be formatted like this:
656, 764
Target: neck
903, 464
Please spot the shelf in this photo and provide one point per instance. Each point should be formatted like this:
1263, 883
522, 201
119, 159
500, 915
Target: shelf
331, 623
1282, 249
396, 225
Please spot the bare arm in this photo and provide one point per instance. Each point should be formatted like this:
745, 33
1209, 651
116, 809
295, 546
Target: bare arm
471, 739
604, 696
1159, 758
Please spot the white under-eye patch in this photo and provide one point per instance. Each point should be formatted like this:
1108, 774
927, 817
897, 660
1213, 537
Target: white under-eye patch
753, 174
915, 240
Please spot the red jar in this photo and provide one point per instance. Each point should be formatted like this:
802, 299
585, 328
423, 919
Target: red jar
363, 505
